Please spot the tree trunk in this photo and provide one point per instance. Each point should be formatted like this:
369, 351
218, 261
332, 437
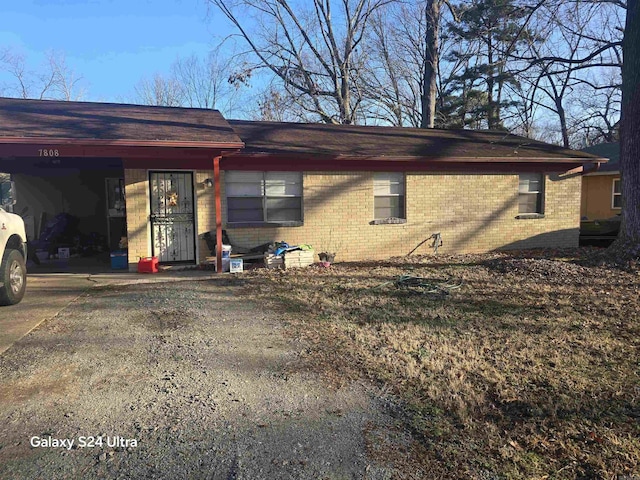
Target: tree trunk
563, 122
431, 60
491, 107
627, 246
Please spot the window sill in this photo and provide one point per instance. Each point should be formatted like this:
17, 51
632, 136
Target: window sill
263, 224
389, 221
529, 216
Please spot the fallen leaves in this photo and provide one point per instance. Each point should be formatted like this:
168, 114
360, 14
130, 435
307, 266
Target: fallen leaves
530, 370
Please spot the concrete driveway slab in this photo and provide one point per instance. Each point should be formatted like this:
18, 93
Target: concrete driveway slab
46, 296
50, 293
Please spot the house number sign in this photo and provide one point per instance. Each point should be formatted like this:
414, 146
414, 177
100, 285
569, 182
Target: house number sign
48, 152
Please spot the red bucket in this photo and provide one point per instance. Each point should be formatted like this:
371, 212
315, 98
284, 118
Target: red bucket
148, 265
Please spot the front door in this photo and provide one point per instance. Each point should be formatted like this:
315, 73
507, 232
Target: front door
172, 218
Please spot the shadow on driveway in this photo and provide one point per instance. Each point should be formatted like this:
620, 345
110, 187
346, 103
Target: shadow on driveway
45, 297
49, 293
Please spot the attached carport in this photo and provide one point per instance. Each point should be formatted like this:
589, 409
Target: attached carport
54, 190
87, 159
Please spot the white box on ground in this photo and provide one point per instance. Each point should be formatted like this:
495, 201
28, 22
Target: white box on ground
63, 252
225, 264
236, 265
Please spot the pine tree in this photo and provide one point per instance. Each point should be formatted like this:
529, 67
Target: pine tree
489, 31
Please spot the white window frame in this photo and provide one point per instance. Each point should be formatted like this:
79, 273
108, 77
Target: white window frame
540, 194
614, 194
263, 196
403, 193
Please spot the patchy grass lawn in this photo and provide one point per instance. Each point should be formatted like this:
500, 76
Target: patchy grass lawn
531, 369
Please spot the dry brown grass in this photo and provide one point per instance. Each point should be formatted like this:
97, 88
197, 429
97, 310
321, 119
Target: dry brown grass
530, 370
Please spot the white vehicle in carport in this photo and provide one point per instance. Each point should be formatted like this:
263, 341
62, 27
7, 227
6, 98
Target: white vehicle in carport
13, 252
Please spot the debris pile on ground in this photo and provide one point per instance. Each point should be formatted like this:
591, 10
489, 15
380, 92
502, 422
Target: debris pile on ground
540, 268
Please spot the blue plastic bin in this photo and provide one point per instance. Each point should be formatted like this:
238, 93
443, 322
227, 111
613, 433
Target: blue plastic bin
119, 260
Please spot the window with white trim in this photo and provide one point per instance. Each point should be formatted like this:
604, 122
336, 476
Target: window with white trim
616, 194
263, 197
531, 193
388, 191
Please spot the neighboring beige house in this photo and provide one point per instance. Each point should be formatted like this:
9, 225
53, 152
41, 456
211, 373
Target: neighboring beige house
601, 190
363, 192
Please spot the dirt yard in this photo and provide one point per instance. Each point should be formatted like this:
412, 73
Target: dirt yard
177, 381
499, 366
520, 365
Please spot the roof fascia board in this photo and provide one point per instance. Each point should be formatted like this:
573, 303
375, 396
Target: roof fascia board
117, 142
602, 173
355, 158
231, 163
63, 149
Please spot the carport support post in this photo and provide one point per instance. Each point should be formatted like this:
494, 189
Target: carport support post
216, 183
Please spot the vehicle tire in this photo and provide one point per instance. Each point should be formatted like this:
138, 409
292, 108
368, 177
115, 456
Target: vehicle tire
13, 273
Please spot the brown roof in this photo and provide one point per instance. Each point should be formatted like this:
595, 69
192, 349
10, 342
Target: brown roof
50, 119
397, 143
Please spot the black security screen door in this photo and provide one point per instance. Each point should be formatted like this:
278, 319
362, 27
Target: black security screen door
172, 216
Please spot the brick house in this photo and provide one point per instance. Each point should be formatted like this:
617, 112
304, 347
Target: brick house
174, 174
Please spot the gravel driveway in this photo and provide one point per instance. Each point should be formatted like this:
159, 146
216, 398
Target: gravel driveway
182, 380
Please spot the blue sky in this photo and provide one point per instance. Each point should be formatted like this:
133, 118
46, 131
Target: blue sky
111, 43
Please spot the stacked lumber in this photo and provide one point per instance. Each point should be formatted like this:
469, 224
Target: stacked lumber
273, 261
298, 258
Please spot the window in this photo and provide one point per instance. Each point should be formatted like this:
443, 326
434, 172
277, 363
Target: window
530, 193
388, 191
616, 194
263, 197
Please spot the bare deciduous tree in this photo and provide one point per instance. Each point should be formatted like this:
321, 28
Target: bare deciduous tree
314, 48
160, 91
193, 82
205, 81
555, 85
604, 52
66, 83
562, 73
599, 105
54, 80
275, 105
404, 79
391, 82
